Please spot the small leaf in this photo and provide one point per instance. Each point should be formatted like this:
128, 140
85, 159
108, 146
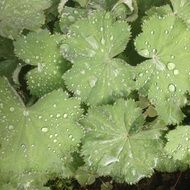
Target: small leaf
42, 50
178, 144
117, 144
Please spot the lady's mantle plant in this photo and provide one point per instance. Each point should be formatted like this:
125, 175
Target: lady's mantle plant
106, 80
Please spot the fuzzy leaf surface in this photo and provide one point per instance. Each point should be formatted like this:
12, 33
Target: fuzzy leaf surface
178, 144
41, 50
182, 9
39, 137
117, 144
21, 14
166, 72
96, 76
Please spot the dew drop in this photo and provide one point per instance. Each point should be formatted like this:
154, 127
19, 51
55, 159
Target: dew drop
44, 129
11, 127
171, 88
12, 109
176, 72
65, 115
171, 66
58, 115
93, 81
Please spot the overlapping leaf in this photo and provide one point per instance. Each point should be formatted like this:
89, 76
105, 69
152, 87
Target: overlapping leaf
181, 9
166, 72
21, 14
38, 138
96, 76
42, 50
69, 16
117, 144
178, 144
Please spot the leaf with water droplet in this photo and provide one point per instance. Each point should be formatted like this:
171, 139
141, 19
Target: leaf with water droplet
91, 46
117, 131
69, 16
42, 51
178, 144
21, 14
29, 134
165, 73
181, 8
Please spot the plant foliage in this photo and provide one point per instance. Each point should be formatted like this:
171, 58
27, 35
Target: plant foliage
91, 89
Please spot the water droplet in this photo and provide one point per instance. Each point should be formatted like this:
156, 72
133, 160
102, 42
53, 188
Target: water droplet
171, 66
111, 38
65, 115
44, 129
176, 72
171, 88
11, 127
25, 113
55, 140
58, 115
103, 41
93, 81
154, 51
12, 109
152, 32
144, 52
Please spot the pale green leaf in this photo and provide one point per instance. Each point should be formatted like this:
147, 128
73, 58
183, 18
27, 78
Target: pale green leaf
166, 72
40, 137
178, 144
181, 9
42, 50
69, 16
96, 76
117, 144
21, 14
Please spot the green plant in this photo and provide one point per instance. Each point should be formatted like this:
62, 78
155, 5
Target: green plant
107, 91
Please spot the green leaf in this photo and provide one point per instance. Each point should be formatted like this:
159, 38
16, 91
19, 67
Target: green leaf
166, 72
117, 144
69, 16
42, 50
25, 181
181, 9
126, 9
7, 68
6, 48
178, 144
82, 3
92, 43
167, 164
21, 14
40, 137
85, 176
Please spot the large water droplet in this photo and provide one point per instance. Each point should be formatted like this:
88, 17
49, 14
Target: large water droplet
171, 88
171, 66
